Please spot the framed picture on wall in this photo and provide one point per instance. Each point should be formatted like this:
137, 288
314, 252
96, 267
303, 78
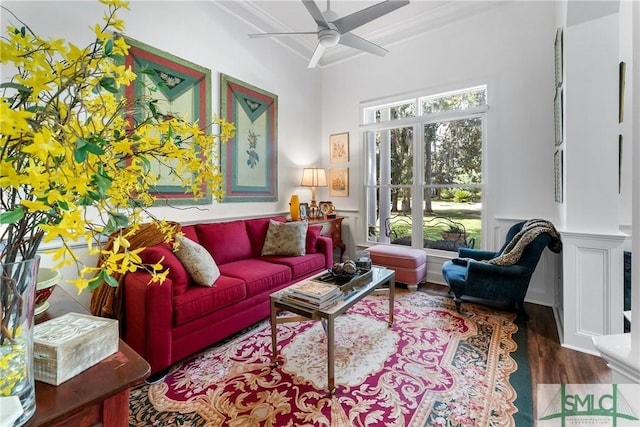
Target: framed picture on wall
339, 182
339, 148
179, 88
249, 162
622, 78
558, 116
620, 145
558, 57
557, 172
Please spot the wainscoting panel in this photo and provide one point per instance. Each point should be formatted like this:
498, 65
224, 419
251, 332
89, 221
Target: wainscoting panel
591, 275
592, 288
435, 260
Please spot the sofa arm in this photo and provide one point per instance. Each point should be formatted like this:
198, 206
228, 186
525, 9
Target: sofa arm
324, 246
477, 254
149, 313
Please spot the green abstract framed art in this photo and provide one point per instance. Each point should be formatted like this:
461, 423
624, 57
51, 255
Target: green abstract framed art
250, 160
183, 90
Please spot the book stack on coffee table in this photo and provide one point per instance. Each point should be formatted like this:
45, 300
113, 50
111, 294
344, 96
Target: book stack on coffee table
313, 294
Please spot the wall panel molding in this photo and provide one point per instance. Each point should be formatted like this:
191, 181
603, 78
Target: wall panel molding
591, 288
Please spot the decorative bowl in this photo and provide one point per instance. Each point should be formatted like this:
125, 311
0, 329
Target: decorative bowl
47, 281
343, 278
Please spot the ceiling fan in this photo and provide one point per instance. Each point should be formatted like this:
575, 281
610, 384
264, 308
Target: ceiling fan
333, 30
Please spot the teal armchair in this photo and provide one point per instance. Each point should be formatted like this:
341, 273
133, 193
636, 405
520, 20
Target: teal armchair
472, 275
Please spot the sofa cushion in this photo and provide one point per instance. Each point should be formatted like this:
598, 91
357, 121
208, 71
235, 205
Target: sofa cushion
199, 301
300, 265
286, 238
259, 275
313, 232
197, 261
225, 241
257, 230
189, 232
177, 273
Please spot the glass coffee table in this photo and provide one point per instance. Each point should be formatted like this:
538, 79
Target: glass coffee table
379, 277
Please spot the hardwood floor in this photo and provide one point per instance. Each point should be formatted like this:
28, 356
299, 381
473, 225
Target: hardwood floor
550, 362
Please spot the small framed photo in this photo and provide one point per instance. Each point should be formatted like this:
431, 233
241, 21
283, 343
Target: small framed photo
339, 148
304, 211
326, 208
339, 182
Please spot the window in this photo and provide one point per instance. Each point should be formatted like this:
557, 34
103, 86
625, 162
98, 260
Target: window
423, 160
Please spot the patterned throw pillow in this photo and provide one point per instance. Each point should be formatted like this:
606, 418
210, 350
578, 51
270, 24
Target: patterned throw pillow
197, 261
285, 238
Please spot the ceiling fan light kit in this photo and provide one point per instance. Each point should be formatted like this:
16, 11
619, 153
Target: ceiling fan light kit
328, 37
333, 30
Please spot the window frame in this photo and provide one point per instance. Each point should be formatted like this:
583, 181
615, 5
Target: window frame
418, 122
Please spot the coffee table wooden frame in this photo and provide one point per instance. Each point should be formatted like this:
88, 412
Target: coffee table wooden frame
380, 277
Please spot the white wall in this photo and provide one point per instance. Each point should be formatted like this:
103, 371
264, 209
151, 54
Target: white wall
626, 55
591, 125
205, 34
510, 48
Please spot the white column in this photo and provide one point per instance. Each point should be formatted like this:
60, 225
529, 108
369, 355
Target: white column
635, 227
622, 351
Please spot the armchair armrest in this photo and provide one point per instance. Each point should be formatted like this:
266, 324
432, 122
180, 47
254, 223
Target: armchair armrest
477, 254
484, 268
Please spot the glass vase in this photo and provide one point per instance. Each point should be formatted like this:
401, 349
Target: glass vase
17, 388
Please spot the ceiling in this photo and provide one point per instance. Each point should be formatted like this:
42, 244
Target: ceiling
418, 17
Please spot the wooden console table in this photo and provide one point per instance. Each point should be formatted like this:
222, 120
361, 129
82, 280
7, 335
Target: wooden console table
332, 227
98, 396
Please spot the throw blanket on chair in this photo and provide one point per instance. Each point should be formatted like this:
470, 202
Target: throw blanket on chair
108, 301
530, 230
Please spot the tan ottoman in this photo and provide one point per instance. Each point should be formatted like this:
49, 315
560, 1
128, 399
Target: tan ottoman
409, 264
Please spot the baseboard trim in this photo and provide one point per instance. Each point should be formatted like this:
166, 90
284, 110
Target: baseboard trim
558, 318
581, 349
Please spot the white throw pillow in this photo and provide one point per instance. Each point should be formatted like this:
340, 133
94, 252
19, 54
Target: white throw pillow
197, 261
286, 238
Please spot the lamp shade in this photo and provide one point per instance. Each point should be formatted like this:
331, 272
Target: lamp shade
314, 177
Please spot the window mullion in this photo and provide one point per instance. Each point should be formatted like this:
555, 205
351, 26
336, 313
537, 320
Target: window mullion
384, 204
417, 187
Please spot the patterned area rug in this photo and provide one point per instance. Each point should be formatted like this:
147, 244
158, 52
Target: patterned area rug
435, 366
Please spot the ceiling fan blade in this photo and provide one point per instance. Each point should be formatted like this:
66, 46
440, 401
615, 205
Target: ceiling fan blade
351, 40
317, 16
356, 19
253, 36
320, 48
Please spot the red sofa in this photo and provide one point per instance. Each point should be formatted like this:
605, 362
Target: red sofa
170, 321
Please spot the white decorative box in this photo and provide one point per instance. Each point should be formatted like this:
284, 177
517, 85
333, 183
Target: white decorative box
67, 345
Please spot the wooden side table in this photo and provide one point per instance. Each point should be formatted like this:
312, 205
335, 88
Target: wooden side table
97, 396
332, 227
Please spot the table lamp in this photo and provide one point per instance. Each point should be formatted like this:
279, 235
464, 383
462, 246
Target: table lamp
313, 177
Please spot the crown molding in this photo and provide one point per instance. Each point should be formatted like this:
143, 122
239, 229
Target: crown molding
399, 26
